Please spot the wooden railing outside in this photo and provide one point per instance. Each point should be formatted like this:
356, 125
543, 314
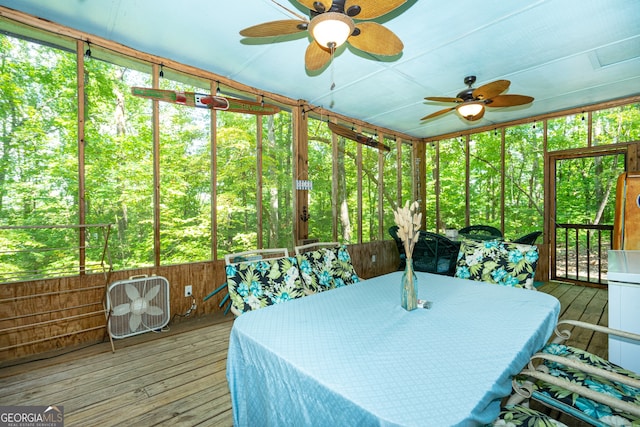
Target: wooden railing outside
52, 296
78, 249
581, 253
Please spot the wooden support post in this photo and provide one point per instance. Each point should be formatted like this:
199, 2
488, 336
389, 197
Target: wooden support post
335, 208
381, 184
213, 87
155, 69
260, 181
419, 168
301, 172
82, 208
633, 157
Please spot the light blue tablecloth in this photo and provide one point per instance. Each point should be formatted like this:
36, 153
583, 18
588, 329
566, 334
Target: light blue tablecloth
353, 357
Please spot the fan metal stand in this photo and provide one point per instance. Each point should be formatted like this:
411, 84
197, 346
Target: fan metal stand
107, 314
469, 80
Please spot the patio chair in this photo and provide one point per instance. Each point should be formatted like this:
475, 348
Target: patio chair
255, 255
299, 250
579, 383
481, 232
529, 239
434, 253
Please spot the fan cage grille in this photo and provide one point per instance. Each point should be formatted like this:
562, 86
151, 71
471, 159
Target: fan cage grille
121, 325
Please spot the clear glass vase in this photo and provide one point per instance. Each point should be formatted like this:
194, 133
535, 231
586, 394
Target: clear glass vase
409, 290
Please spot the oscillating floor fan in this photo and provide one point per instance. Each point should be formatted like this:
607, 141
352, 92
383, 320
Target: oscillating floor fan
137, 305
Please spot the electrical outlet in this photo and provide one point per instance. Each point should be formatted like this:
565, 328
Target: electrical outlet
373, 258
188, 291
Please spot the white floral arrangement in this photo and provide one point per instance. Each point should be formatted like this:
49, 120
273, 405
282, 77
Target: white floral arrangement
408, 221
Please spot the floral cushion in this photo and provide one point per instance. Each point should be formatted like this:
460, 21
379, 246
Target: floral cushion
257, 284
581, 407
493, 261
518, 415
325, 269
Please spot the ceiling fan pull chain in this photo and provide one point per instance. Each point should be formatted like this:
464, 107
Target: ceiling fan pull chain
333, 82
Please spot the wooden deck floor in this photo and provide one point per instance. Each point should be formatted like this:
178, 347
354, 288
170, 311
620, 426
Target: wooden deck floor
586, 304
172, 378
178, 378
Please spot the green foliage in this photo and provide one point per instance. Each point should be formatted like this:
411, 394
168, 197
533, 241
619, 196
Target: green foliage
429, 183
185, 180
370, 196
484, 180
36, 117
277, 193
236, 182
40, 174
567, 132
524, 180
119, 161
390, 180
616, 125
321, 163
452, 183
320, 174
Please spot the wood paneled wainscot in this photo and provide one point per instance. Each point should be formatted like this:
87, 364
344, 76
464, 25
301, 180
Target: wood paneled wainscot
56, 314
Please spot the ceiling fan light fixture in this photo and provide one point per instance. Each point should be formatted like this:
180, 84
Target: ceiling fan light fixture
331, 29
470, 109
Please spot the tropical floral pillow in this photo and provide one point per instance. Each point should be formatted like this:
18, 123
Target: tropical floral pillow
493, 261
257, 284
314, 271
325, 269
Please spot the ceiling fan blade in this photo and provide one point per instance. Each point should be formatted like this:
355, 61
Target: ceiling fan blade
357, 137
443, 99
508, 100
438, 113
491, 89
370, 9
311, 4
316, 57
275, 28
376, 39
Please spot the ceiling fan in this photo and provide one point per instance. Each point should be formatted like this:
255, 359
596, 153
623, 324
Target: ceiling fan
331, 24
471, 102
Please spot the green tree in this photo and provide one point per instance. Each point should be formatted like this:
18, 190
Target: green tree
277, 166
38, 154
236, 182
118, 147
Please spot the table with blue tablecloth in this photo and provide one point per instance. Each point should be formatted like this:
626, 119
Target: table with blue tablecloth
353, 356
